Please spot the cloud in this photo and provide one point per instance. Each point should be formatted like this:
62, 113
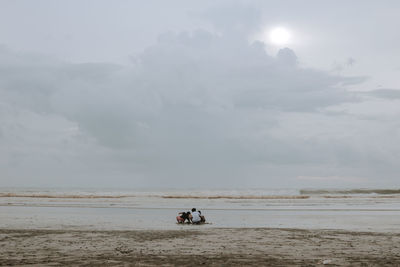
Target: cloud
199, 73
234, 19
193, 108
385, 93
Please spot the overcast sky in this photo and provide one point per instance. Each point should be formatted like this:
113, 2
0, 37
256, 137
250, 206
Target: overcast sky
199, 93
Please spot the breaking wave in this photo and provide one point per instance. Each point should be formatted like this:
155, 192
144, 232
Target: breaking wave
177, 196
205, 194
58, 196
235, 197
349, 191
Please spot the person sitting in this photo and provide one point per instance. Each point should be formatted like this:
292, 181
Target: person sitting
203, 219
196, 216
183, 216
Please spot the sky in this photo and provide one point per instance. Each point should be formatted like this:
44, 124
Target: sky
199, 94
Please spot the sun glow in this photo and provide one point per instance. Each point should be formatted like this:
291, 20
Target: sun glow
279, 36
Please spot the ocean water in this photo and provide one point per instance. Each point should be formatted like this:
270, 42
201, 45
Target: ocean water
128, 209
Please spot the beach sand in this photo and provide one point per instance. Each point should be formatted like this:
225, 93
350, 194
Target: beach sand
199, 246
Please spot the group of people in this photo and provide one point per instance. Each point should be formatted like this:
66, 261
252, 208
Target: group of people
193, 217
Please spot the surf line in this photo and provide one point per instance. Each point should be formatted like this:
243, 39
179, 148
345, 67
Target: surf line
179, 208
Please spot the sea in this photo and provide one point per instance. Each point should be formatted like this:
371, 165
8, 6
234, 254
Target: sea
376, 210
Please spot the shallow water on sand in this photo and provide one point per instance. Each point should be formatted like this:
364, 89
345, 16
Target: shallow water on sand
52, 209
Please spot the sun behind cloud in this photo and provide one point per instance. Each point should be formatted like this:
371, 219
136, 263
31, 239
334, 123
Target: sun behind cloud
279, 36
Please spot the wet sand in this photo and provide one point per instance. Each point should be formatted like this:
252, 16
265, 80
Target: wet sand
199, 246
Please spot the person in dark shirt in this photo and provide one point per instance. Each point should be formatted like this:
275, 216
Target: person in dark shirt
203, 219
183, 216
